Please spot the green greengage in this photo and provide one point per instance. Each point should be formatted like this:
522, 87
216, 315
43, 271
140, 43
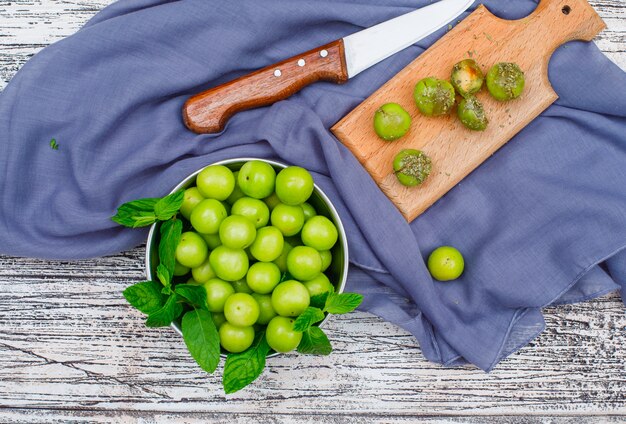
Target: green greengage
241, 286
472, 114
433, 96
256, 179
241, 310
207, 216
254, 209
391, 121
304, 263
288, 219
191, 250
327, 258
271, 201
268, 244
237, 232
212, 240
216, 182
235, 339
262, 277
446, 263
281, 261
281, 336
237, 193
204, 272
318, 285
309, 210
411, 167
467, 77
266, 310
218, 319
294, 185
290, 298
217, 291
319, 233
180, 269
505, 81
229, 264
191, 198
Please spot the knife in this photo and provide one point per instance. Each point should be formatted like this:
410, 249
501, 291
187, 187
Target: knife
337, 62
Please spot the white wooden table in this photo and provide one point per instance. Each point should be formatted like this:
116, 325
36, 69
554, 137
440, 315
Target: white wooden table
72, 350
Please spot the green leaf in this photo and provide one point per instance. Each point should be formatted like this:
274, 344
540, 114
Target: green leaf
307, 318
166, 314
163, 275
319, 300
342, 303
196, 295
167, 207
145, 296
243, 368
138, 213
314, 342
202, 339
170, 236
53, 144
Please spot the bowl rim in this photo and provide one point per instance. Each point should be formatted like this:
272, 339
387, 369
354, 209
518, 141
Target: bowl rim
333, 212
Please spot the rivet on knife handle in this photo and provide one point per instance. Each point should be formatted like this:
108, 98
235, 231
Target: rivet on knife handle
208, 111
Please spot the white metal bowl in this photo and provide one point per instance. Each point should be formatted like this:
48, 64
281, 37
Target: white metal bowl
338, 270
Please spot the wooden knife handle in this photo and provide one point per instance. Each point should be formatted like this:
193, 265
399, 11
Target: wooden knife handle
208, 111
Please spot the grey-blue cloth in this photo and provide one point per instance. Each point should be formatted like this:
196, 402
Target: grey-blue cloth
534, 221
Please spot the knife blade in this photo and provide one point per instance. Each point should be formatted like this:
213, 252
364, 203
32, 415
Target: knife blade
208, 112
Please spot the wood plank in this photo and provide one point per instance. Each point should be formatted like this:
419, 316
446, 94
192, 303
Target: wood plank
47, 416
73, 351
68, 339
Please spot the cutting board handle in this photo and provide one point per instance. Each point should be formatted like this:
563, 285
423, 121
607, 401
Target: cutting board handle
566, 20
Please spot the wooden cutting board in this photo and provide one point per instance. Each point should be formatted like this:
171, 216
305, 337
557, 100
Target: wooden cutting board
456, 151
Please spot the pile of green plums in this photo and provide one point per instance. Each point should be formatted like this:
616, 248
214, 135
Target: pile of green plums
436, 97
247, 231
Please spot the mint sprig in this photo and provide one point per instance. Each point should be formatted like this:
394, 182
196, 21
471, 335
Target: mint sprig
201, 338
195, 295
171, 231
145, 296
314, 342
243, 368
342, 303
145, 212
166, 314
307, 318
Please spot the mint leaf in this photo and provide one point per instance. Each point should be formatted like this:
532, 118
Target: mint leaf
170, 236
285, 277
319, 300
307, 318
202, 339
314, 342
243, 368
166, 314
53, 144
163, 275
145, 296
138, 213
342, 303
167, 207
196, 295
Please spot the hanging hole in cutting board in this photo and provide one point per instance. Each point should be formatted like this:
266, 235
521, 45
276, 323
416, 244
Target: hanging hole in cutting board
566, 9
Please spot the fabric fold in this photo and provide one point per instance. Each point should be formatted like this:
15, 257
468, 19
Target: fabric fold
541, 222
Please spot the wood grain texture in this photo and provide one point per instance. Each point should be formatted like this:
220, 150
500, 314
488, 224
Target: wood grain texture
455, 150
72, 350
208, 112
